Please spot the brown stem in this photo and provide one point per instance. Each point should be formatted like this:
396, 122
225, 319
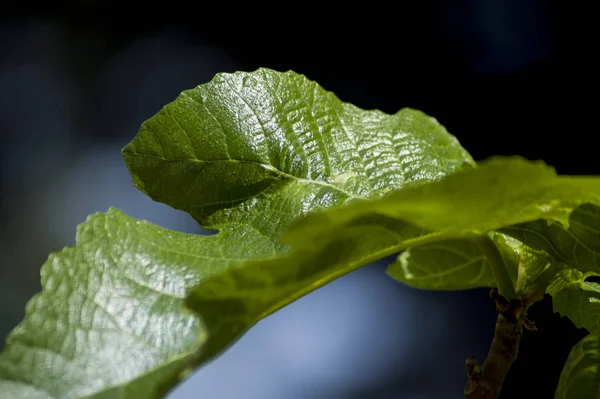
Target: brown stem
486, 382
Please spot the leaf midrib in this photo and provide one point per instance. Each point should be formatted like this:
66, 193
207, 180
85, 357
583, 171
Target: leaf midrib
263, 165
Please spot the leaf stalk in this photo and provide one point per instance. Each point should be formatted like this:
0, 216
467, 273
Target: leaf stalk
505, 284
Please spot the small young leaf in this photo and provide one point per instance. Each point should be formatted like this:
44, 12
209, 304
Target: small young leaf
576, 298
580, 377
577, 243
446, 265
454, 264
577, 249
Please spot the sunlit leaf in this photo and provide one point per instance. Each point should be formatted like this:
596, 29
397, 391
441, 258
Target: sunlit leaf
111, 312
245, 154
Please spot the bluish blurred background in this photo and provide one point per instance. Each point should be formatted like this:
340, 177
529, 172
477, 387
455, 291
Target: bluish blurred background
506, 77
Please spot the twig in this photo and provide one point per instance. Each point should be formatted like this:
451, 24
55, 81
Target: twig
486, 382
491, 252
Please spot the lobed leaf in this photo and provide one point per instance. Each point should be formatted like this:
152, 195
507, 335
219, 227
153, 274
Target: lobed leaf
245, 154
110, 315
248, 154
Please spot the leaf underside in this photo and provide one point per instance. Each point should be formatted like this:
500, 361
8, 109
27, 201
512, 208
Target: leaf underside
434, 220
455, 264
446, 265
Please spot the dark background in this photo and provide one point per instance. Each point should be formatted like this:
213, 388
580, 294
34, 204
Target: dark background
506, 77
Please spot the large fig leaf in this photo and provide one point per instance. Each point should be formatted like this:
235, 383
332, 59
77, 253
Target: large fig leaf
245, 154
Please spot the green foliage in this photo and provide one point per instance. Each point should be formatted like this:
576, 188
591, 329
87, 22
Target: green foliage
580, 377
576, 242
501, 192
110, 312
300, 188
326, 244
447, 265
576, 298
246, 154
455, 264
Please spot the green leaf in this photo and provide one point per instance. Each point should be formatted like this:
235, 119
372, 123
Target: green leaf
576, 298
257, 289
498, 195
262, 148
503, 191
535, 269
576, 248
454, 264
111, 312
245, 154
446, 265
577, 243
324, 245
580, 377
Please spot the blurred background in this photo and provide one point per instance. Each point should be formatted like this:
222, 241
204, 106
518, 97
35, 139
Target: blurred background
506, 77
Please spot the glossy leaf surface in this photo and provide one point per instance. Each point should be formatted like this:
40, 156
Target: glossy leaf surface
245, 154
